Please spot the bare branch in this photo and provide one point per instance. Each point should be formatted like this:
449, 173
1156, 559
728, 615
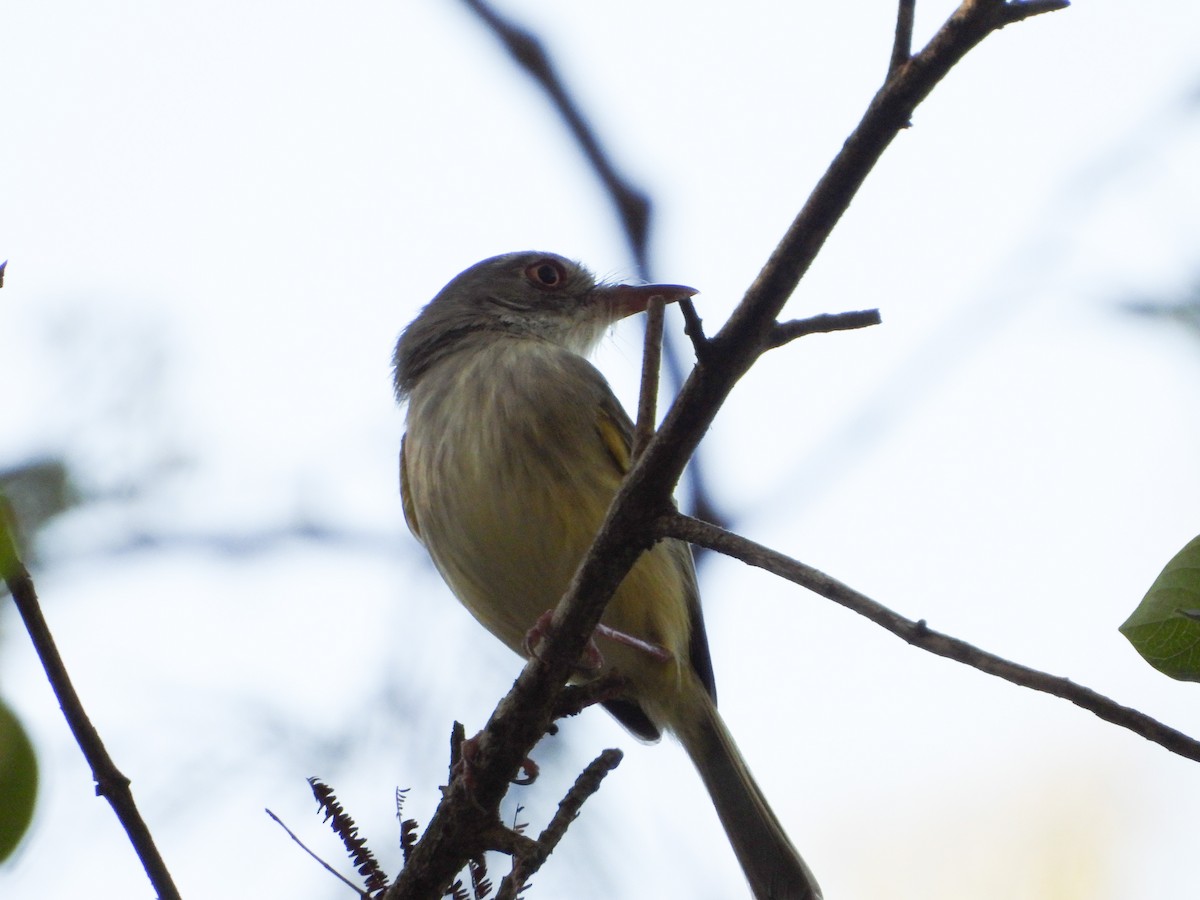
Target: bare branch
920, 635
748, 330
328, 868
110, 783
651, 360
1017, 10
902, 46
575, 698
786, 332
504, 840
585, 785
458, 736
633, 523
588, 782
693, 327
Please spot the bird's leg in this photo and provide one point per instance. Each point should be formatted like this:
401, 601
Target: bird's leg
592, 660
657, 652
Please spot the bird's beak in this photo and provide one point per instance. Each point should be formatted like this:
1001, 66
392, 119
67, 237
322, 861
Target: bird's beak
627, 299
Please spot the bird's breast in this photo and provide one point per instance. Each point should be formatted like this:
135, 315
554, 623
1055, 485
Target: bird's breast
508, 480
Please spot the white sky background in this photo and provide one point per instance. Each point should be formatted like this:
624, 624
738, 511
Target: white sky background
219, 217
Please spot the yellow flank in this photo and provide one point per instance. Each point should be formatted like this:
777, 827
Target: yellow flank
615, 440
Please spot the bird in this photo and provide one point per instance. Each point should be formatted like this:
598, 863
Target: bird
514, 447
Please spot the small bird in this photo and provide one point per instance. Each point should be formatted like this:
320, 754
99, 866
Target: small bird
514, 447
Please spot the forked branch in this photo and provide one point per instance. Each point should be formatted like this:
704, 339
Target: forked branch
920, 635
633, 521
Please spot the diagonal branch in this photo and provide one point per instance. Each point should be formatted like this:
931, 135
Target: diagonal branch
632, 523
920, 635
632, 205
110, 783
525, 866
326, 866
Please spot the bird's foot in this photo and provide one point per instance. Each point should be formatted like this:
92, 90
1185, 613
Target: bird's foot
590, 662
465, 765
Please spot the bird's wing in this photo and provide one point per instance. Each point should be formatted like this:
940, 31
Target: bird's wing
616, 432
410, 509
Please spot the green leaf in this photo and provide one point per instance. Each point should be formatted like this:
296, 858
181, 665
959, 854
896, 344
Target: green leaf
1165, 628
18, 781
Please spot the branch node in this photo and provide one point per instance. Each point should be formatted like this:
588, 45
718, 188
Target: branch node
693, 327
503, 839
575, 698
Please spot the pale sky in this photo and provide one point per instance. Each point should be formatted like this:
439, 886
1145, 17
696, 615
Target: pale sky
218, 218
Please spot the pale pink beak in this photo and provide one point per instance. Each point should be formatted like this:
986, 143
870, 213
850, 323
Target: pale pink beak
627, 299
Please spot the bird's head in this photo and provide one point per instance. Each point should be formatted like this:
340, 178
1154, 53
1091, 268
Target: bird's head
527, 294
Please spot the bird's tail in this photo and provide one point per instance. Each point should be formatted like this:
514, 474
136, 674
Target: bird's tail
771, 864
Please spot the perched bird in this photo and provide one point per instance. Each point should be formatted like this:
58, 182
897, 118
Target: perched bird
514, 448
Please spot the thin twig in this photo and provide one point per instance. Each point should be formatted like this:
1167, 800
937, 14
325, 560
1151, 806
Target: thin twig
1018, 10
588, 782
503, 839
328, 868
575, 698
651, 360
110, 783
902, 46
693, 327
920, 635
786, 332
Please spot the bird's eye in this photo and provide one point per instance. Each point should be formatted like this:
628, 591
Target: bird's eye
547, 273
